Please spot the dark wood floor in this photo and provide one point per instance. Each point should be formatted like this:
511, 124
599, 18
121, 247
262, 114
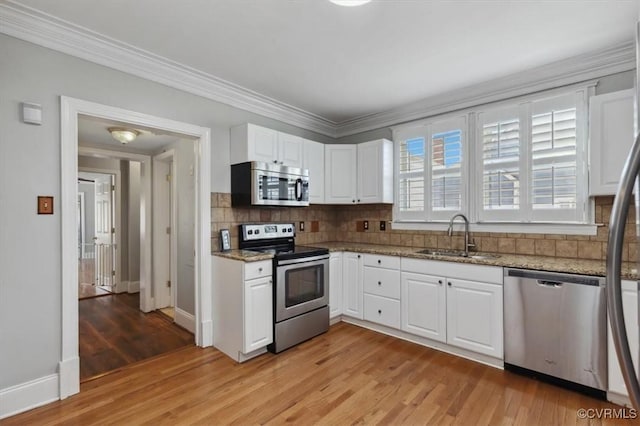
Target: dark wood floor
349, 375
114, 333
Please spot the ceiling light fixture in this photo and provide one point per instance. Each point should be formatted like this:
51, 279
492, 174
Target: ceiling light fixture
122, 135
349, 2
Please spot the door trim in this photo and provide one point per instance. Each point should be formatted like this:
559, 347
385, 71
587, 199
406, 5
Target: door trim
70, 109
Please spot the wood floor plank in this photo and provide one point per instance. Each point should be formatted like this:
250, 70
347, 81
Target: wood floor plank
349, 375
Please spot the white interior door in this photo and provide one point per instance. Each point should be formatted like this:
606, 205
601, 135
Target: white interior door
105, 231
162, 232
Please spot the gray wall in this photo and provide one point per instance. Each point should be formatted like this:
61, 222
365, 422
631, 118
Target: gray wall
133, 242
30, 274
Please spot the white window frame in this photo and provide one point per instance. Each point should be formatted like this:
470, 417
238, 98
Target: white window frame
580, 222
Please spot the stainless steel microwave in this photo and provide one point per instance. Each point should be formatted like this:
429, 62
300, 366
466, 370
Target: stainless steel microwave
264, 184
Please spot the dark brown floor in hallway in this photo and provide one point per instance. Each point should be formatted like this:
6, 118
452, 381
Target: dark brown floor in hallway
114, 333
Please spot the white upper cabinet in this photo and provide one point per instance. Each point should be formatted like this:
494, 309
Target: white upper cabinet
340, 174
375, 172
611, 136
255, 143
360, 173
313, 160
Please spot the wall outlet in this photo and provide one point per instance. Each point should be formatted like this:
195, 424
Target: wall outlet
365, 225
301, 226
383, 225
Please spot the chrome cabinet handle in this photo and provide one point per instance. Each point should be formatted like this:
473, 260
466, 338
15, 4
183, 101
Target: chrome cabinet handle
379, 311
440, 282
379, 283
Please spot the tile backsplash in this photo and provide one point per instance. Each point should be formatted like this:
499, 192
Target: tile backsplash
344, 224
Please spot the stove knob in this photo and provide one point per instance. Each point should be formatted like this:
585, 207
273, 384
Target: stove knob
250, 232
290, 230
257, 231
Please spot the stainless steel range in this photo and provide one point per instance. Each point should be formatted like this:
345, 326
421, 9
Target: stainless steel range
301, 282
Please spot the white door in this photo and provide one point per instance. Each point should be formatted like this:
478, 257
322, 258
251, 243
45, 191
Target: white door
313, 160
258, 313
162, 232
289, 150
335, 285
424, 306
474, 316
369, 170
352, 285
340, 162
105, 231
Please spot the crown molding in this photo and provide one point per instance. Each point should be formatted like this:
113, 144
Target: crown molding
48, 31
573, 70
31, 25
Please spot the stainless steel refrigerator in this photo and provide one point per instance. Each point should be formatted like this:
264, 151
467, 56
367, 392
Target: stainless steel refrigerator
624, 197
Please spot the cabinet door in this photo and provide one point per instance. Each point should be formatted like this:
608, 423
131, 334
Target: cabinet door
424, 306
313, 160
289, 150
630, 308
474, 316
262, 144
352, 285
335, 285
611, 137
258, 313
340, 174
369, 171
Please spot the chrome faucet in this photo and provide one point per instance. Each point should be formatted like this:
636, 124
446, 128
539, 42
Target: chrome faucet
466, 232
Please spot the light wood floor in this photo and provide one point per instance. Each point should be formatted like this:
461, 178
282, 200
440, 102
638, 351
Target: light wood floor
348, 376
86, 280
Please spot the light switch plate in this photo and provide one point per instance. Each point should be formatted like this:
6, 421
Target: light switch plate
45, 204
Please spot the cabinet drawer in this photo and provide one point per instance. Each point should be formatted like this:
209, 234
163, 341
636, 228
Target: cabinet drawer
382, 310
257, 269
382, 282
390, 262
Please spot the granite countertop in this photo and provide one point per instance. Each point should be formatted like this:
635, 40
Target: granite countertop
540, 263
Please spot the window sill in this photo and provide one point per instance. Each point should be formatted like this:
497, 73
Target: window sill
503, 227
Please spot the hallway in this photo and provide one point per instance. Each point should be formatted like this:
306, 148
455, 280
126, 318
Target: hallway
114, 333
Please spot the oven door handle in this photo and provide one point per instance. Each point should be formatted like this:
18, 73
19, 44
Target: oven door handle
302, 260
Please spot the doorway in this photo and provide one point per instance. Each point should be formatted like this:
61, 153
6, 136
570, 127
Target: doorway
72, 110
98, 231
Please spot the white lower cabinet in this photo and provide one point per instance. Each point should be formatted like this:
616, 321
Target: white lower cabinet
474, 316
258, 313
242, 307
352, 285
335, 284
424, 306
630, 308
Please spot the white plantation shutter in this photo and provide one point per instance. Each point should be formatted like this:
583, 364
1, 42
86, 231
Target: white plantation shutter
557, 182
447, 168
499, 158
410, 202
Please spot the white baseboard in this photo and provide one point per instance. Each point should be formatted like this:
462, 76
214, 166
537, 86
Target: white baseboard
29, 395
69, 371
619, 399
134, 286
185, 320
121, 287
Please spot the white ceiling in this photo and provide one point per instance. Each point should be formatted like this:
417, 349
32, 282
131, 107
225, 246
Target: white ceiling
92, 132
341, 63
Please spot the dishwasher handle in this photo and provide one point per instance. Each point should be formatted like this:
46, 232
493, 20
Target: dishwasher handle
553, 278
546, 283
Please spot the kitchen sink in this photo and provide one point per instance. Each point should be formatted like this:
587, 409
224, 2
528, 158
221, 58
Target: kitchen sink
455, 253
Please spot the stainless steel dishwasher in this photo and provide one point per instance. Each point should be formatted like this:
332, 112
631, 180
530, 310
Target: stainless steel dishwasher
556, 324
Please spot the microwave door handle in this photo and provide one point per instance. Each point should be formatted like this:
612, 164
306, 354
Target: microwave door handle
298, 189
